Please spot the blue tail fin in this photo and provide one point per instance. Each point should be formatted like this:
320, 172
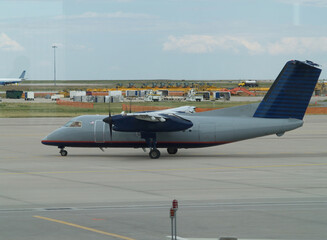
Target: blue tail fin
22, 75
290, 94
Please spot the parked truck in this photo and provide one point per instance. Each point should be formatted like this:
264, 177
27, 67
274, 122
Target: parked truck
152, 96
29, 96
248, 83
193, 96
56, 97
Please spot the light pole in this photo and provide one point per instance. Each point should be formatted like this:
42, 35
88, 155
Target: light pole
54, 63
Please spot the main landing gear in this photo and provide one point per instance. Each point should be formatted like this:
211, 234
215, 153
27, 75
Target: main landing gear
151, 142
154, 153
63, 152
172, 150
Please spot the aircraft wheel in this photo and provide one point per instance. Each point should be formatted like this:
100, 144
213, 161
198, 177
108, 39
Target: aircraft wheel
154, 153
172, 150
63, 153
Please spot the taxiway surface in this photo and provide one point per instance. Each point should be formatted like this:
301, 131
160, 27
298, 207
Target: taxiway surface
267, 187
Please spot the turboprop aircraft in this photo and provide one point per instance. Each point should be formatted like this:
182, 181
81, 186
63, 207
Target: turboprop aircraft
6, 81
281, 110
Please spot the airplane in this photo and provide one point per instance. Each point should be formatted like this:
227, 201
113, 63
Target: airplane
6, 81
281, 110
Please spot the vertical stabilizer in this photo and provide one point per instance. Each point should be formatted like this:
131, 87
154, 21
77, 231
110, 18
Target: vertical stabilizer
22, 75
291, 92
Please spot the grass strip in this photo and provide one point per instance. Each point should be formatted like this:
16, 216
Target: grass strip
22, 110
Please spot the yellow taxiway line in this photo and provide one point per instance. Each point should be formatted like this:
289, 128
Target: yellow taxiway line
85, 228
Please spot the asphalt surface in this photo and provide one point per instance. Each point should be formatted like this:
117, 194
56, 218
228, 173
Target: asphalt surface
267, 187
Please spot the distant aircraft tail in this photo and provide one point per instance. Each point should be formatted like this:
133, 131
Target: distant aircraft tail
291, 92
22, 75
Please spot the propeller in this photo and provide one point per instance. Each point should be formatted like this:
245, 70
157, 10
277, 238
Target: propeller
130, 106
108, 120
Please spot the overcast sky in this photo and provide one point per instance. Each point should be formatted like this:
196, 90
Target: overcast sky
160, 39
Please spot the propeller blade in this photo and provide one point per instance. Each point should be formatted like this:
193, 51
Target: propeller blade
130, 106
110, 127
108, 120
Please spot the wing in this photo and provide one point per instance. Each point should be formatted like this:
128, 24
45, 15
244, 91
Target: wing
159, 116
157, 121
183, 109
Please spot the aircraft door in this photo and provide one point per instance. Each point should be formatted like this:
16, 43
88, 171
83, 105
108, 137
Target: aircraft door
207, 132
99, 131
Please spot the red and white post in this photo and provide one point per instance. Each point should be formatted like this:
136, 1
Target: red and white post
173, 217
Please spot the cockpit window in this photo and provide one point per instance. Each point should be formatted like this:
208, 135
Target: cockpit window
73, 124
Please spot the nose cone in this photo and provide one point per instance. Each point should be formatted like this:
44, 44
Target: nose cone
53, 138
44, 140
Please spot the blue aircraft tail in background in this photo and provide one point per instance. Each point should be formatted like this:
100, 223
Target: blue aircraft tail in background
22, 75
290, 94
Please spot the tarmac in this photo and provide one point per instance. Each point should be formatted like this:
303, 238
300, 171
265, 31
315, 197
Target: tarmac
265, 188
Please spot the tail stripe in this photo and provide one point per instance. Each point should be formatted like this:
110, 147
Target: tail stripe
290, 94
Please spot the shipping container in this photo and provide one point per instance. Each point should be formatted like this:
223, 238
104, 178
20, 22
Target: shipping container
14, 94
132, 93
143, 93
115, 93
77, 98
176, 93
76, 93
99, 99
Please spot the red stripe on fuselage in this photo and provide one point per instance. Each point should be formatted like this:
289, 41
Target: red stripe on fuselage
160, 142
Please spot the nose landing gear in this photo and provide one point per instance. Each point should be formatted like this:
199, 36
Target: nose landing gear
63, 152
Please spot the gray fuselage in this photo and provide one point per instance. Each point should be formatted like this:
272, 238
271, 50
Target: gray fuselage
209, 129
